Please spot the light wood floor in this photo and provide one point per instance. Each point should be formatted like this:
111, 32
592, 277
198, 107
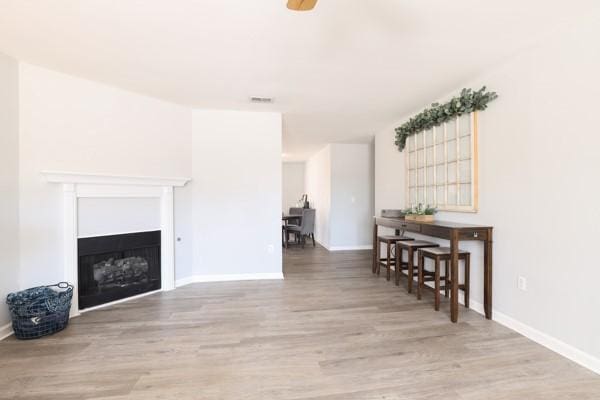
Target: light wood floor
330, 331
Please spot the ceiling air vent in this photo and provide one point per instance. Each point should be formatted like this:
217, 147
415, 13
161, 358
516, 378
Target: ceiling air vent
261, 100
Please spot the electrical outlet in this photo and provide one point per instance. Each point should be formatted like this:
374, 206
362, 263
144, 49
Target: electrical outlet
522, 283
270, 249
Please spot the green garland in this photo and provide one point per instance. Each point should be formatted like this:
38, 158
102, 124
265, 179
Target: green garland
437, 114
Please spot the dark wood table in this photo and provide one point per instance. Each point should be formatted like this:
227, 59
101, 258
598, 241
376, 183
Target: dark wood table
287, 218
454, 232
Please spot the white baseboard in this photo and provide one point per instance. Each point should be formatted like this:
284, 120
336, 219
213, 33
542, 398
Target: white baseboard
322, 244
229, 278
343, 248
6, 331
566, 350
185, 281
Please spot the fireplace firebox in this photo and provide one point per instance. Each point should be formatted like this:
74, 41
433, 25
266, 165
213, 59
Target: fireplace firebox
115, 267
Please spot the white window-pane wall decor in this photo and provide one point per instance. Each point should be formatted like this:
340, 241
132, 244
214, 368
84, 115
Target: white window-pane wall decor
442, 166
429, 138
451, 145
451, 172
451, 196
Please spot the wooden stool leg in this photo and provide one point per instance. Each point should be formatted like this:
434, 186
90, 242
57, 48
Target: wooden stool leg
411, 258
388, 275
420, 274
437, 284
467, 278
446, 280
398, 266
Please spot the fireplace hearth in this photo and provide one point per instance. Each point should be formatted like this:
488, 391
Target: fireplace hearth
115, 267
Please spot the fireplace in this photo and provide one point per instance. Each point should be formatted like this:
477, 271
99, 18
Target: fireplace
115, 267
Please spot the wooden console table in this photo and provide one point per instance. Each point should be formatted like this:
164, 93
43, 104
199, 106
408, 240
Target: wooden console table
454, 232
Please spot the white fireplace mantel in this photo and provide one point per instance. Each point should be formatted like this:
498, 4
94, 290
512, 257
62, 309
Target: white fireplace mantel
98, 179
80, 185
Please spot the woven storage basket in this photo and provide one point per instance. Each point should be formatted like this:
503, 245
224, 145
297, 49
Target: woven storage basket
41, 310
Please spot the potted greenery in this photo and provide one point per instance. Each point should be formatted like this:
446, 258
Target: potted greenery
420, 213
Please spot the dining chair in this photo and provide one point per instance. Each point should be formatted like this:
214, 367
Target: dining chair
293, 212
304, 230
296, 210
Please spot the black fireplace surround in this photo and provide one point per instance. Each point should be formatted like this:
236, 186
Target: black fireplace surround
117, 266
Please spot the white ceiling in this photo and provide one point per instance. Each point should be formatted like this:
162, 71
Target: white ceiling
338, 73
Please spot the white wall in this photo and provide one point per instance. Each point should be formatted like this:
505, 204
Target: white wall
351, 195
9, 187
236, 193
71, 124
339, 184
111, 216
292, 182
318, 189
389, 180
538, 149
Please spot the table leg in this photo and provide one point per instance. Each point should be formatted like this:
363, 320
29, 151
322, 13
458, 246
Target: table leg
454, 276
487, 276
374, 266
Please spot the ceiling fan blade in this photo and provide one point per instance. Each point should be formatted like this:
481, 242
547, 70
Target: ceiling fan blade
301, 5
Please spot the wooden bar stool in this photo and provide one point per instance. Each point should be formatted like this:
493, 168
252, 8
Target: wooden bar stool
389, 261
437, 255
408, 266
